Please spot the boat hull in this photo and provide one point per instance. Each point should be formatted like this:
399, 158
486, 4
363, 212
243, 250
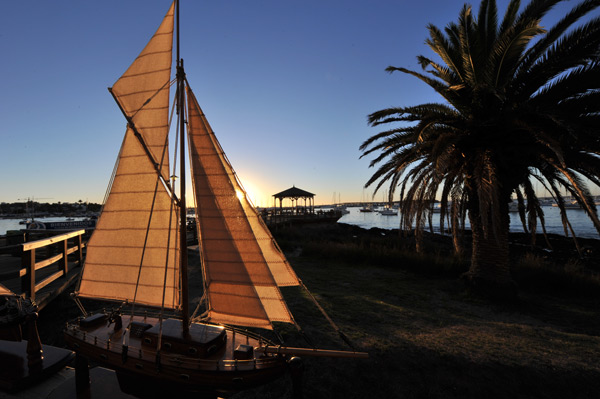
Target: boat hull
142, 373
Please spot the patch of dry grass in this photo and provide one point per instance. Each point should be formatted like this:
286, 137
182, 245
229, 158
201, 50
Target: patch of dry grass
428, 338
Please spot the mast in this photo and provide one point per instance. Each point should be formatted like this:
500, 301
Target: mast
183, 209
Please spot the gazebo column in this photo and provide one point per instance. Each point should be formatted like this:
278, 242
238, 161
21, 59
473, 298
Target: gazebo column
294, 194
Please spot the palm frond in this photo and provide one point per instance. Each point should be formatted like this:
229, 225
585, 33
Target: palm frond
444, 49
557, 31
509, 48
571, 51
510, 16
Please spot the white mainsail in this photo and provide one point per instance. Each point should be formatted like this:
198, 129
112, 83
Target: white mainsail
136, 237
242, 265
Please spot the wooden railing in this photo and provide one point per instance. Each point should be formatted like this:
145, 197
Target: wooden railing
30, 266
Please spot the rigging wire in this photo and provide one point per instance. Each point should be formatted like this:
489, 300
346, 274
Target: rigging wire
331, 322
156, 186
173, 175
177, 232
167, 84
204, 300
113, 175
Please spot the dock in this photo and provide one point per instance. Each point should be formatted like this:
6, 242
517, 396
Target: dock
274, 219
42, 267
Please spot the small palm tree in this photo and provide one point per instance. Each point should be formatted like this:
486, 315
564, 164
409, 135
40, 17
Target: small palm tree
522, 105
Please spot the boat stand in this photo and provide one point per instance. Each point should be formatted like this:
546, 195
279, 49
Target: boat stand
94, 383
101, 383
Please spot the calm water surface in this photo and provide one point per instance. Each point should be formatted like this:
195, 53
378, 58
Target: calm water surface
581, 223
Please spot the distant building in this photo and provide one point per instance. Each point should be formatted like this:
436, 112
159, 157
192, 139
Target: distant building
295, 194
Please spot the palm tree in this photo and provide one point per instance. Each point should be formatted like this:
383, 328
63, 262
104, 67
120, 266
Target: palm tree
522, 104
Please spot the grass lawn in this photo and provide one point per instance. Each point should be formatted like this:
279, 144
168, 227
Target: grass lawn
426, 336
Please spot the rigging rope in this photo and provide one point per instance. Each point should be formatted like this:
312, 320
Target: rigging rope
168, 83
204, 300
162, 306
331, 322
112, 176
158, 180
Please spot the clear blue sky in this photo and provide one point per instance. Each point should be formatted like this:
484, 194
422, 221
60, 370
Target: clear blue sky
286, 85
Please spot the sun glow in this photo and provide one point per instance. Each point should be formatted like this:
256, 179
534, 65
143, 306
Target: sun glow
253, 194
240, 194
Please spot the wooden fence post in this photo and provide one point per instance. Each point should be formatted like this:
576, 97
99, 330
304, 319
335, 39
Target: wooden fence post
80, 250
28, 281
65, 248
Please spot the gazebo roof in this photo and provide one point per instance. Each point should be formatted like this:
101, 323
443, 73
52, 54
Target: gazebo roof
293, 192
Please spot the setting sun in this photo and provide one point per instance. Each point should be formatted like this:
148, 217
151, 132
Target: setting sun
254, 195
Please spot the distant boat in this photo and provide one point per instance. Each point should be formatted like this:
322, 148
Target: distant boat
569, 205
388, 212
342, 209
66, 225
367, 208
339, 207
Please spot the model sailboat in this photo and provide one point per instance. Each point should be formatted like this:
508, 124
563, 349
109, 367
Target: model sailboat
138, 253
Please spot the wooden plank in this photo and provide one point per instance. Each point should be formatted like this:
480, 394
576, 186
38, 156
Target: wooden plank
22, 277
42, 243
11, 276
81, 245
75, 248
28, 281
47, 294
49, 279
48, 262
65, 254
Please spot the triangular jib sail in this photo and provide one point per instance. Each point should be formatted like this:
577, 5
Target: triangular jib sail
142, 91
136, 237
243, 266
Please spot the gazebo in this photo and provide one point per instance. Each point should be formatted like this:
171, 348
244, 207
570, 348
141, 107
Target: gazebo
295, 194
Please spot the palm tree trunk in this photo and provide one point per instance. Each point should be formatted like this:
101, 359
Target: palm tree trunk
489, 273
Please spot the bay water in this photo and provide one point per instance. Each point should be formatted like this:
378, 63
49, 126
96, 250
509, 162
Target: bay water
581, 223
